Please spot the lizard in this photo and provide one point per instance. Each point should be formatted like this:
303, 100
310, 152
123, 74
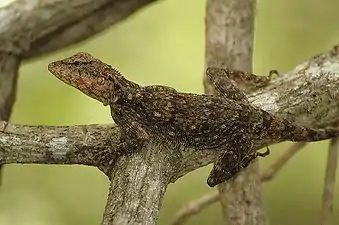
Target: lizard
226, 122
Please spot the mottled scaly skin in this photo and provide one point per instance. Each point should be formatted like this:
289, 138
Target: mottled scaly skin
227, 122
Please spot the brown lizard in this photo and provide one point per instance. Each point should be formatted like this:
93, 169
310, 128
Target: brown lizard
227, 122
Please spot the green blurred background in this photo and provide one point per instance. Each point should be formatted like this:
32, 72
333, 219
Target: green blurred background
164, 44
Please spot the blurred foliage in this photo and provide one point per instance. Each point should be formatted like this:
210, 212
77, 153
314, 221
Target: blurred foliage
164, 44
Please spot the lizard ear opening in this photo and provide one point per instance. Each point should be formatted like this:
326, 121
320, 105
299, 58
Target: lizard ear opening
113, 93
115, 99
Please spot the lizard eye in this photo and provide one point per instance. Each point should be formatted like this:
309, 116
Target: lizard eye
101, 80
77, 63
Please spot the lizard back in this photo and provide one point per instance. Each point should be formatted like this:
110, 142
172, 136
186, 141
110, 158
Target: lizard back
202, 121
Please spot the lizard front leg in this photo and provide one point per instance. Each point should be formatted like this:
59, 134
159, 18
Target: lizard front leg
133, 137
128, 144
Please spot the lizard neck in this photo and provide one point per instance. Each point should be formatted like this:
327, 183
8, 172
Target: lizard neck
123, 91
120, 82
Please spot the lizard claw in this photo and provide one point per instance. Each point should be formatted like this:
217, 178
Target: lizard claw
263, 154
273, 72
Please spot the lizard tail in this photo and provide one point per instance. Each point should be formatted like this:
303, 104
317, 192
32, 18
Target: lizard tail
283, 130
308, 134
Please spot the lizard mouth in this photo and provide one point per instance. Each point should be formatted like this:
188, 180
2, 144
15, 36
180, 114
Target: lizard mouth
51, 68
60, 71
54, 68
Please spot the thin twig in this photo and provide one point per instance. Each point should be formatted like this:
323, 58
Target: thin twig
196, 206
275, 167
330, 174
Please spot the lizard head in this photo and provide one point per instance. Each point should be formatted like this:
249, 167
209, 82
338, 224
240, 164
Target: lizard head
89, 75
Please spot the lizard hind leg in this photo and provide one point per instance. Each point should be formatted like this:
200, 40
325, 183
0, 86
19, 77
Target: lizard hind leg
233, 83
133, 136
231, 162
225, 168
223, 84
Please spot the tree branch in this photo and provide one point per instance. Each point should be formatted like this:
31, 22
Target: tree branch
138, 186
9, 69
308, 94
329, 184
55, 145
276, 166
229, 43
31, 28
